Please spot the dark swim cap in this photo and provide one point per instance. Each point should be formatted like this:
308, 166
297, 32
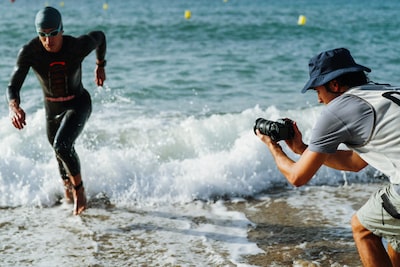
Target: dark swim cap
48, 18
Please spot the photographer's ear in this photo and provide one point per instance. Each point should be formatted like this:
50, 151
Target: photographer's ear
333, 86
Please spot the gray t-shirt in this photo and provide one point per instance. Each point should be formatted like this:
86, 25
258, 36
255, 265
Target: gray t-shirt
347, 119
366, 119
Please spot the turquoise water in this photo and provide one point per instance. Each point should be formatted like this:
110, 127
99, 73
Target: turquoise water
228, 57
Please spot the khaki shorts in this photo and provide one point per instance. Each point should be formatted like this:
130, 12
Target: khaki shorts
375, 218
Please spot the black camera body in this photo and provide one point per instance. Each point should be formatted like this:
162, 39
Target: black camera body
277, 130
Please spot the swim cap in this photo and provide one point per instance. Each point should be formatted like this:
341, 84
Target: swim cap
48, 18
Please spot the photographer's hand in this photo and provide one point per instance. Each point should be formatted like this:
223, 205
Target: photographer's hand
272, 145
296, 143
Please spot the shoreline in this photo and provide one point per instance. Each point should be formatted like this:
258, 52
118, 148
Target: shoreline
303, 235
300, 227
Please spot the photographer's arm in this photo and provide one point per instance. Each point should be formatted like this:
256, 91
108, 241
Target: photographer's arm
345, 160
297, 173
300, 172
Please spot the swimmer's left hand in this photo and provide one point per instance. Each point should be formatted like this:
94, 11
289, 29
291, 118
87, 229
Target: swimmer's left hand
99, 75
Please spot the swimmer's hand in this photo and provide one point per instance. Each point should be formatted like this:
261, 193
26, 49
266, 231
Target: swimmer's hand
99, 75
17, 115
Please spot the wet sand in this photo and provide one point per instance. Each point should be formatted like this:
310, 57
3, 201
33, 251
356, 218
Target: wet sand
296, 228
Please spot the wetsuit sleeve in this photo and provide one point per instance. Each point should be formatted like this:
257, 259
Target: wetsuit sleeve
18, 76
99, 40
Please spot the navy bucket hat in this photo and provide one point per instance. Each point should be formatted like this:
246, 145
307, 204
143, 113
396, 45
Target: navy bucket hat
329, 65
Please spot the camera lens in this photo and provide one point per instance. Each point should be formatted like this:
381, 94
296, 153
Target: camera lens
277, 130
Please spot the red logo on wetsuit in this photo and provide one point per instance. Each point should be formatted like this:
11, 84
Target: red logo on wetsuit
58, 82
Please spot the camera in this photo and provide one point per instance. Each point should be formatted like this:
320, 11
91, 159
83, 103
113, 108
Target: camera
277, 130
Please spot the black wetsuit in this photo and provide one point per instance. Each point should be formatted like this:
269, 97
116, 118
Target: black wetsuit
67, 103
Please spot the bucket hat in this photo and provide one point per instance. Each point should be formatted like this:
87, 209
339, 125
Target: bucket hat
329, 65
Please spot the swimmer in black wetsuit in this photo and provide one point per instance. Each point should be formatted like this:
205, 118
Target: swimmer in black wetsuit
56, 60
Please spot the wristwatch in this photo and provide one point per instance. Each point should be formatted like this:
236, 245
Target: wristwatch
102, 63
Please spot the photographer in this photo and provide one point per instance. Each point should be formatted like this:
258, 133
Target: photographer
365, 117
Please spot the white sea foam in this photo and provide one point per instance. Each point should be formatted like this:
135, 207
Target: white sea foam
155, 159
159, 159
205, 233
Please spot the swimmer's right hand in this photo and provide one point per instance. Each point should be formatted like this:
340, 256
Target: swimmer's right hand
17, 115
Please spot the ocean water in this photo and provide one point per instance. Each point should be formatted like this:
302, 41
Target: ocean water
170, 146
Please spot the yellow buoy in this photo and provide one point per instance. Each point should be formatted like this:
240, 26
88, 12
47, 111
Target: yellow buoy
188, 14
105, 6
302, 20
62, 4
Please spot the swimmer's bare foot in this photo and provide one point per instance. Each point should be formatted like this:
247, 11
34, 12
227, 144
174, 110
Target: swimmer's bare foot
69, 198
78, 193
79, 198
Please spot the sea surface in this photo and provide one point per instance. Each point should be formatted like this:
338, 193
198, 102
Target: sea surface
173, 171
